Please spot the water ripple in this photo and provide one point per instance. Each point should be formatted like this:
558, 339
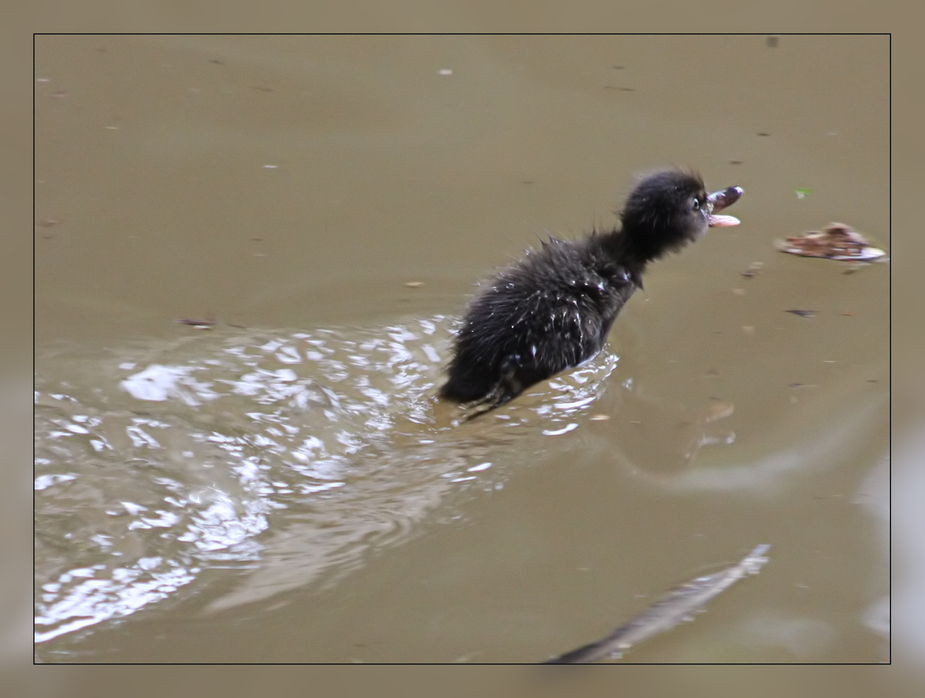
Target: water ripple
286, 457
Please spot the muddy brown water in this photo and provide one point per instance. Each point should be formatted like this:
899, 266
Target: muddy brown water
281, 486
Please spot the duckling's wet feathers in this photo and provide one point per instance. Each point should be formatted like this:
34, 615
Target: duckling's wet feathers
554, 308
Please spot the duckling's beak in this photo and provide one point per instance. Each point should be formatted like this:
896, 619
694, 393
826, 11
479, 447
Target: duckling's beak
719, 200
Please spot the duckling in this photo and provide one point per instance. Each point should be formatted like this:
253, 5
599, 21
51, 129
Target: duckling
553, 309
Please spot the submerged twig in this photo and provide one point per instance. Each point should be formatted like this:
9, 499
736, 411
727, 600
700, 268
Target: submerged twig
667, 612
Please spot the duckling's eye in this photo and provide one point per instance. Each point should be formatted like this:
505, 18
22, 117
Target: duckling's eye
696, 205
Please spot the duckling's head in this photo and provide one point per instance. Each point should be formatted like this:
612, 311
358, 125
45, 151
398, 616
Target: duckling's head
669, 209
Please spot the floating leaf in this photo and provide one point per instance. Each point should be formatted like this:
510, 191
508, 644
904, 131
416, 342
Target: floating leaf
835, 241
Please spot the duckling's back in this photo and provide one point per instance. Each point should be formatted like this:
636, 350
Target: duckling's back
549, 312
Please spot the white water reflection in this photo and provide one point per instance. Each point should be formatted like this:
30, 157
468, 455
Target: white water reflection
894, 495
874, 496
770, 474
281, 459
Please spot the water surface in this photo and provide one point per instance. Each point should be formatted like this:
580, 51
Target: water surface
283, 487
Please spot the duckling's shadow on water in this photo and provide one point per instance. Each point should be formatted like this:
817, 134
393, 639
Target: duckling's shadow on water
285, 459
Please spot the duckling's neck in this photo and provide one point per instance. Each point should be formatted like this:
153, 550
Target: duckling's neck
618, 247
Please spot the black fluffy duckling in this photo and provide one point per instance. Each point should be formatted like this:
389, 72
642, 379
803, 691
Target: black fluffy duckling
553, 309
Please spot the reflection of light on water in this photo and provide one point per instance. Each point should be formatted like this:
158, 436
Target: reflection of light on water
898, 500
288, 456
800, 637
574, 391
558, 432
874, 495
158, 383
92, 601
765, 474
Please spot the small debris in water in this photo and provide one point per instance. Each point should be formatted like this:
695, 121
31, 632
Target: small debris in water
678, 605
803, 313
836, 241
414, 284
752, 269
802, 193
772, 41
198, 324
599, 417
